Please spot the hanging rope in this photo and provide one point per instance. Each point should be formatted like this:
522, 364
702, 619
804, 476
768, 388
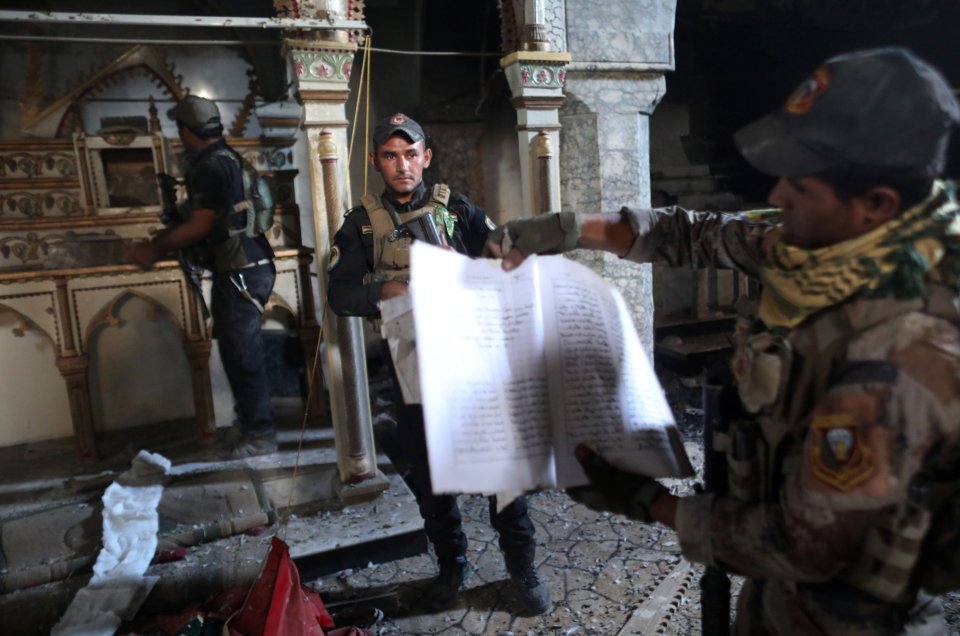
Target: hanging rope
366, 126
282, 529
363, 93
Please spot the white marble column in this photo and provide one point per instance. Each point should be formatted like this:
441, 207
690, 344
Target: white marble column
536, 82
322, 68
535, 68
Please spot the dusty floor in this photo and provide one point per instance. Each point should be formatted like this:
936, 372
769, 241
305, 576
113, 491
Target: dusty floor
607, 574
50, 518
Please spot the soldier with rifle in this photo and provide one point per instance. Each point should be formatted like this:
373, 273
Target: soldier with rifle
841, 504
216, 230
170, 217
369, 262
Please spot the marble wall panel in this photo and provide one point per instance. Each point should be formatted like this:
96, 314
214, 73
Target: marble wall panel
605, 164
555, 14
619, 31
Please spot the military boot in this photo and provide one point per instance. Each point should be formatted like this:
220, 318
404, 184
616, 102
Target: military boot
531, 591
454, 573
236, 444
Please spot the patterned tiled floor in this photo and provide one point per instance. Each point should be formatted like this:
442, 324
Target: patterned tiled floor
608, 575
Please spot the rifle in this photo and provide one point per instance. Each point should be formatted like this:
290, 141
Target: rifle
714, 584
423, 227
171, 217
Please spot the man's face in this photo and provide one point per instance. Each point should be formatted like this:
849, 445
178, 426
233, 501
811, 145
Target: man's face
401, 162
188, 140
813, 216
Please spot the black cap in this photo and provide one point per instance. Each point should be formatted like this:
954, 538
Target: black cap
397, 123
881, 109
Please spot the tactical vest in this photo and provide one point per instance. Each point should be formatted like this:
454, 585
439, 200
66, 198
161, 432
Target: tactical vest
254, 213
391, 248
914, 544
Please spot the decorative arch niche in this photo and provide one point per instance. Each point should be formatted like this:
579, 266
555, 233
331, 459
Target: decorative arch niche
57, 118
33, 405
128, 388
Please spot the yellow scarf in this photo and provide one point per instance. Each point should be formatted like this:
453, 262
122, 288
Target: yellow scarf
889, 261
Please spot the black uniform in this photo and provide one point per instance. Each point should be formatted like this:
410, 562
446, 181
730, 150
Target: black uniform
351, 260
215, 181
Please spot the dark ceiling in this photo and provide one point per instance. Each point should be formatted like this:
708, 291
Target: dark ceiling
735, 66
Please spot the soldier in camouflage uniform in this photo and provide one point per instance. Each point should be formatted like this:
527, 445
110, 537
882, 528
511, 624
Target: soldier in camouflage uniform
849, 369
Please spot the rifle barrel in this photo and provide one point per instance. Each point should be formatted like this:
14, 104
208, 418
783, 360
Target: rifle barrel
714, 584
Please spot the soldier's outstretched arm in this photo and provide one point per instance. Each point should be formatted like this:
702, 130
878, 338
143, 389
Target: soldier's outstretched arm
672, 235
559, 232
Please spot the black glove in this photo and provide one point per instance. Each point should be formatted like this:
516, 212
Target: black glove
615, 490
544, 234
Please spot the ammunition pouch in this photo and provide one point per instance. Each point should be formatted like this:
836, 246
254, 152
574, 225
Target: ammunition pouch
402, 275
744, 448
891, 549
761, 365
227, 255
391, 241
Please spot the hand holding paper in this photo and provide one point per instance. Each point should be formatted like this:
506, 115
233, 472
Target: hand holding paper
529, 364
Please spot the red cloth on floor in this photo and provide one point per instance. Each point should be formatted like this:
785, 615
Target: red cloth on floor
277, 604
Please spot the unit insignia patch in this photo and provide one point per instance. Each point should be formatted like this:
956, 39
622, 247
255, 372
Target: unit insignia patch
839, 456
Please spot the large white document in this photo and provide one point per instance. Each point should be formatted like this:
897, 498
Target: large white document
518, 368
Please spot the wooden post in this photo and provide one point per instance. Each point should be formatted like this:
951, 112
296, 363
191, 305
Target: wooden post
545, 194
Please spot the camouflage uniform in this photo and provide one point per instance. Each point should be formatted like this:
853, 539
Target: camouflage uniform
846, 409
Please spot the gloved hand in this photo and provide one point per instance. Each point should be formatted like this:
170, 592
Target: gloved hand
544, 234
615, 490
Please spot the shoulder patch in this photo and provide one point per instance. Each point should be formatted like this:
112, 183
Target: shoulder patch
366, 229
839, 457
334, 258
847, 450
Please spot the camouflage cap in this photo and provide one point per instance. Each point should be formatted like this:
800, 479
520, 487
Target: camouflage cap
196, 113
397, 123
883, 109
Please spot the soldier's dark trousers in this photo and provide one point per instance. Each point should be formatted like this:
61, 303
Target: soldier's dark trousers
441, 515
237, 325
